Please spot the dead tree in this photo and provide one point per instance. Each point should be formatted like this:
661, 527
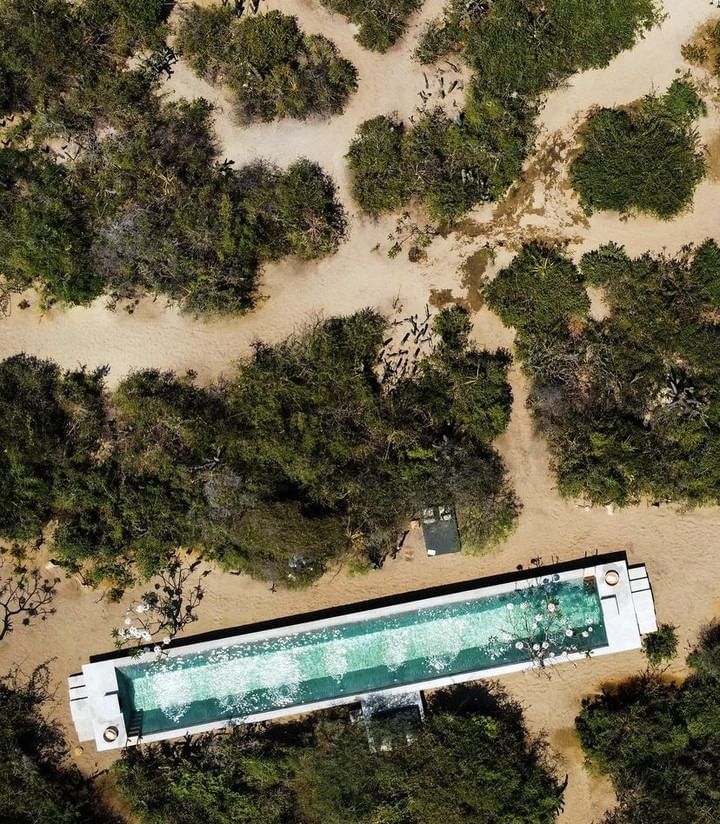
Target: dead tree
24, 595
168, 608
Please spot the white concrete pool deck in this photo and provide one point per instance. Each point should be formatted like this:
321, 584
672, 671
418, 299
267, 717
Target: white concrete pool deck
627, 606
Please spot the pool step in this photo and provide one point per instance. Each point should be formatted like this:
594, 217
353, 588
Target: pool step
642, 596
134, 728
80, 707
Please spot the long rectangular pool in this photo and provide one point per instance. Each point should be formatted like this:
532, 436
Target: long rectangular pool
233, 680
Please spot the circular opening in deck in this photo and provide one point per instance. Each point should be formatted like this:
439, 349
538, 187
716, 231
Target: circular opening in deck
612, 577
110, 734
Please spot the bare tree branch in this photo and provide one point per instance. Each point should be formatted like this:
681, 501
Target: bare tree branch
24, 594
168, 608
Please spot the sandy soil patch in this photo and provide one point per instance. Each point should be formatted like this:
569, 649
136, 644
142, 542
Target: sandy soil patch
682, 549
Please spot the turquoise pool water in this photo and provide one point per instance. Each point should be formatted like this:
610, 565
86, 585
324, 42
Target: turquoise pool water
236, 679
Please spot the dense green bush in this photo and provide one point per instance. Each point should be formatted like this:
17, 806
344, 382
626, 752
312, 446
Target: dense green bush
447, 164
49, 421
36, 785
524, 49
541, 293
381, 22
517, 51
53, 52
630, 404
660, 743
32, 67
381, 179
645, 157
463, 765
171, 221
140, 201
303, 456
243, 777
152, 210
354, 451
272, 68
661, 646
45, 228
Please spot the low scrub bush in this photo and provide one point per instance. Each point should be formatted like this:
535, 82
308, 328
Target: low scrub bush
643, 158
517, 52
630, 404
381, 22
272, 68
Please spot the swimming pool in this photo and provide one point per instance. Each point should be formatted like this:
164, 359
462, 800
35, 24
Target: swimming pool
549, 619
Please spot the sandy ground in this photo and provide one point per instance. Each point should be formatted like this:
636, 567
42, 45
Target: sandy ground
681, 549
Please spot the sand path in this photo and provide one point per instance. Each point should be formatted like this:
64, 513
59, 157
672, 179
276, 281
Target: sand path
682, 550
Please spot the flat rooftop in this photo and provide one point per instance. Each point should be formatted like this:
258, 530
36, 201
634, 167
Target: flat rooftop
440, 530
408, 643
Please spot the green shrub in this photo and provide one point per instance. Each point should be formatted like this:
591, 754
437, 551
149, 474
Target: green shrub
661, 646
138, 200
308, 213
449, 165
503, 773
50, 423
644, 158
660, 743
53, 48
151, 210
630, 404
45, 229
302, 457
132, 23
381, 22
381, 179
272, 68
36, 782
520, 48
41, 50
517, 51
541, 292
315, 773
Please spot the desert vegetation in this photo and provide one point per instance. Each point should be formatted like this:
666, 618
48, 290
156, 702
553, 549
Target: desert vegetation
25, 596
68, 57
381, 22
135, 196
703, 49
308, 453
166, 609
629, 404
517, 52
36, 782
475, 762
659, 742
645, 157
472, 759
661, 646
273, 69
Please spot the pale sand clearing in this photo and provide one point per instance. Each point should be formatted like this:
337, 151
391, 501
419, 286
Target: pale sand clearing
682, 550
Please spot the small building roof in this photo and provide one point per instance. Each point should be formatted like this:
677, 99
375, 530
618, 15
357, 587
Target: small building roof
440, 530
